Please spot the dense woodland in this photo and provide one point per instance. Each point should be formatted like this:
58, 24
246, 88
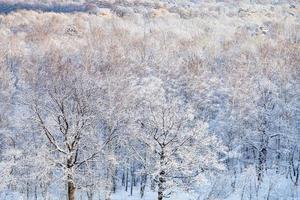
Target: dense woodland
151, 101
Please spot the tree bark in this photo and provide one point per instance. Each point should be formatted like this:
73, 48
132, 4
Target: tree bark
114, 181
71, 188
143, 185
27, 191
126, 181
262, 158
278, 154
35, 192
161, 177
161, 188
71, 191
123, 178
132, 180
90, 195
294, 167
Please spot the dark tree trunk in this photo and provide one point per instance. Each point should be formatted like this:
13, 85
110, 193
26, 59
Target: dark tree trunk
143, 185
161, 177
262, 158
161, 187
90, 195
35, 192
27, 191
114, 181
126, 181
132, 182
123, 178
71, 188
70, 179
135, 180
294, 167
153, 184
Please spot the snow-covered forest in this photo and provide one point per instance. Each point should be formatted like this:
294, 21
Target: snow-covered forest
150, 100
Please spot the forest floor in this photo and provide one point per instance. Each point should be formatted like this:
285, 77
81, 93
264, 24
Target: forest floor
274, 187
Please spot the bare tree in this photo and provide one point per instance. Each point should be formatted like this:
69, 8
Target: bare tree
65, 109
180, 149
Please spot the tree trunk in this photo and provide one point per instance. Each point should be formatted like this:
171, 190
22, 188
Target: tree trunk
70, 178
262, 158
143, 185
71, 188
114, 181
153, 184
161, 187
27, 191
90, 195
108, 186
161, 177
294, 167
35, 192
278, 154
132, 180
123, 178
126, 181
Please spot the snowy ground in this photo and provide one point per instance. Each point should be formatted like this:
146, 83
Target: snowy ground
120, 195
274, 187
150, 196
